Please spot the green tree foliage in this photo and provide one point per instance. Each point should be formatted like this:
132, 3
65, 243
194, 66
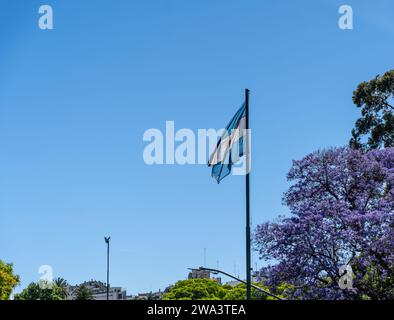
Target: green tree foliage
83, 293
8, 280
62, 284
35, 291
208, 289
239, 292
374, 282
196, 289
376, 100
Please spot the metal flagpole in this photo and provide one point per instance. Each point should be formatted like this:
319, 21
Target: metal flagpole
107, 242
108, 270
247, 185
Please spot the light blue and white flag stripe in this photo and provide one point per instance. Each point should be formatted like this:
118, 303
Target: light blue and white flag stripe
230, 147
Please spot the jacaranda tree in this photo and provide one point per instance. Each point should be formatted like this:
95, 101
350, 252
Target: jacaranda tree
342, 214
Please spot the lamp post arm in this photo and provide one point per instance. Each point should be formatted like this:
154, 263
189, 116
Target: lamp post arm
242, 281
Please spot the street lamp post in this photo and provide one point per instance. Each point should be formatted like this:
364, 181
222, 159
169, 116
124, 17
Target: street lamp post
216, 271
107, 242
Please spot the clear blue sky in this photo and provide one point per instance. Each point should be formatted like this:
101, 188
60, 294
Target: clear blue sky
75, 102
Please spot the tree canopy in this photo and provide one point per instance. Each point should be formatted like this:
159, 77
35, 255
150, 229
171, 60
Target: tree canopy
35, 291
83, 293
8, 280
196, 289
209, 289
376, 125
342, 213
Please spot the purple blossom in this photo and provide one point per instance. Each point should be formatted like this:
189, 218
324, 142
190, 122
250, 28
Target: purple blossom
342, 213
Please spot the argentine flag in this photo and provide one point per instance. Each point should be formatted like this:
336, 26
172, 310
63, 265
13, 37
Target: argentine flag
230, 147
